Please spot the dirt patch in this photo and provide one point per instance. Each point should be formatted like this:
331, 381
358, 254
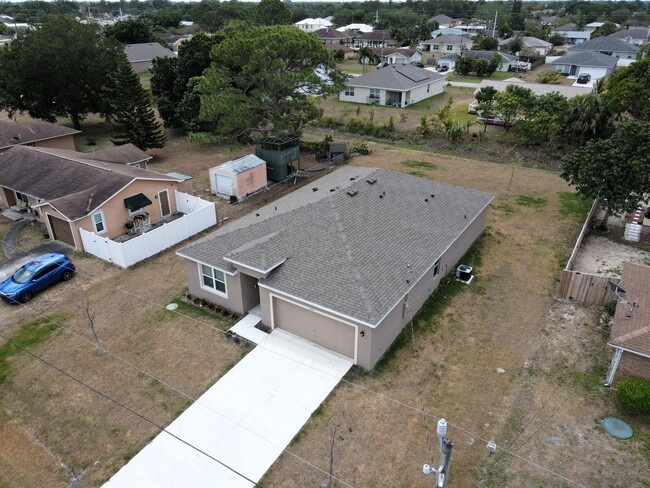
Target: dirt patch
601, 255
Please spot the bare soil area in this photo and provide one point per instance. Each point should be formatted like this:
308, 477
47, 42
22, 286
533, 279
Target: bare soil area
503, 360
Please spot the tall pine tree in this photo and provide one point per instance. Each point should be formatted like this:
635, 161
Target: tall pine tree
134, 119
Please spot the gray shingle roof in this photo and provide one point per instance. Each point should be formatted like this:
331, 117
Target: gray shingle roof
449, 39
566, 27
635, 33
487, 55
13, 133
347, 253
125, 154
78, 184
587, 58
396, 78
442, 19
605, 44
146, 52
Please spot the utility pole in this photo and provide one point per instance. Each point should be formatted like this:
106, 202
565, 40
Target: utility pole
494, 28
446, 448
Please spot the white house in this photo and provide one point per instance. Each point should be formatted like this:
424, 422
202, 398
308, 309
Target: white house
632, 35
356, 27
571, 34
539, 46
312, 25
396, 85
401, 56
447, 44
609, 46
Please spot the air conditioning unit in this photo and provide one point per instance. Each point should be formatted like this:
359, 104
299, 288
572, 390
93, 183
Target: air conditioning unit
464, 273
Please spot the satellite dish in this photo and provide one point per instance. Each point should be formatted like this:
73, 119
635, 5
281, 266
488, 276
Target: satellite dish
616, 288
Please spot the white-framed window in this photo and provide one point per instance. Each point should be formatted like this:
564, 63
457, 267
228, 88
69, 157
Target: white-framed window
436, 268
213, 279
98, 222
436, 47
450, 47
374, 93
349, 91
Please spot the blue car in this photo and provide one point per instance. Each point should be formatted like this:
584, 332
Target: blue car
41, 273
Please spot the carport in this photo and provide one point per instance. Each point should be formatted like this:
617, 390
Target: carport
244, 421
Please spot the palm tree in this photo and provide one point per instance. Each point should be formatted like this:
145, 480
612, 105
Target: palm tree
587, 116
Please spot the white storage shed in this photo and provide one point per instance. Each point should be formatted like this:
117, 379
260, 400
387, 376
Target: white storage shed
237, 178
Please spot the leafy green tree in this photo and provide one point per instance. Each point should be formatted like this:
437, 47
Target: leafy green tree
484, 43
464, 65
170, 78
339, 55
605, 30
515, 45
131, 31
494, 64
628, 91
272, 12
165, 18
264, 80
513, 104
557, 39
546, 121
63, 69
616, 170
485, 98
134, 119
367, 55
587, 116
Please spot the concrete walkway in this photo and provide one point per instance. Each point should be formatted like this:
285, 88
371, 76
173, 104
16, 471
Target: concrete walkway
246, 327
10, 242
243, 423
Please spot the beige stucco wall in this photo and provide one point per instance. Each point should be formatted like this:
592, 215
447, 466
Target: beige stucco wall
63, 142
251, 180
233, 300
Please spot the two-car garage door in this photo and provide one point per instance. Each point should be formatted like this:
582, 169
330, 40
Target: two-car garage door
314, 326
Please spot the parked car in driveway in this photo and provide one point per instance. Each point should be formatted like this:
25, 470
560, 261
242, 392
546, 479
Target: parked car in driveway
35, 276
584, 78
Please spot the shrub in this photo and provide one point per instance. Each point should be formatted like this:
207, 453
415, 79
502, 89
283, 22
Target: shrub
633, 395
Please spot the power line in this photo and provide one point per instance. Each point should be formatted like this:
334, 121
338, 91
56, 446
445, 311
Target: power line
127, 408
342, 380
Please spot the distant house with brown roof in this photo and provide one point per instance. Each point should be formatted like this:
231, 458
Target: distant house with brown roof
374, 39
141, 55
331, 36
348, 52
630, 335
69, 191
36, 133
125, 154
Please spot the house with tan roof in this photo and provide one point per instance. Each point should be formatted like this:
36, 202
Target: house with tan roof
630, 334
76, 195
345, 262
36, 133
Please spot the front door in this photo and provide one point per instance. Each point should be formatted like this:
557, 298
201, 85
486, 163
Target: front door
163, 199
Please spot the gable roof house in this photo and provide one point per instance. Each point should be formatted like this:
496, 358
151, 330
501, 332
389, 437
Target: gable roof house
345, 262
125, 154
331, 36
312, 25
447, 43
539, 46
399, 55
396, 85
443, 20
609, 46
36, 133
632, 35
598, 65
141, 55
76, 196
374, 39
571, 34
630, 334
508, 61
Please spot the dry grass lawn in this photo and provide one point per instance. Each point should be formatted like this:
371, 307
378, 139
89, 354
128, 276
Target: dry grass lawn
548, 400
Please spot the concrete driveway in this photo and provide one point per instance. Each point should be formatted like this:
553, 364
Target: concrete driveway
9, 266
245, 420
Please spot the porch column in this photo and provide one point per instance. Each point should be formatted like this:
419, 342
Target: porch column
614, 366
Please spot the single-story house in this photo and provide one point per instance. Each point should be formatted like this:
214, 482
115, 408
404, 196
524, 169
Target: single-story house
141, 55
375, 39
68, 191
331, 36
443, 31
348, 52
471, 30
344, 262
596, 64
571, 34
632, 35
608, 45
400, 55
508, 61
125, 154
549, 20
539, 46
36, 133
312, 25
447, 43
448, 61
630, 334
397, 85
443, 20
239, 177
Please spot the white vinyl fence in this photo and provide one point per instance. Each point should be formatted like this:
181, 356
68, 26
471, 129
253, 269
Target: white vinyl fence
199, 215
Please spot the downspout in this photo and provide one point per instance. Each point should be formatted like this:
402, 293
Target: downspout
614, 366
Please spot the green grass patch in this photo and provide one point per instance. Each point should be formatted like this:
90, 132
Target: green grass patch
416, 173
411, 163
574, 205
30, 335
426, 319
506, 208
589, 381
193, 311
533, 202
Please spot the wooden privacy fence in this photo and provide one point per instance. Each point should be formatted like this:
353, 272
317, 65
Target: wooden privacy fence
587, 288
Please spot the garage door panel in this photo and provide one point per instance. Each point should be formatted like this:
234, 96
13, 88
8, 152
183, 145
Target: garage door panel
224, 185
61, 230
315, 327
